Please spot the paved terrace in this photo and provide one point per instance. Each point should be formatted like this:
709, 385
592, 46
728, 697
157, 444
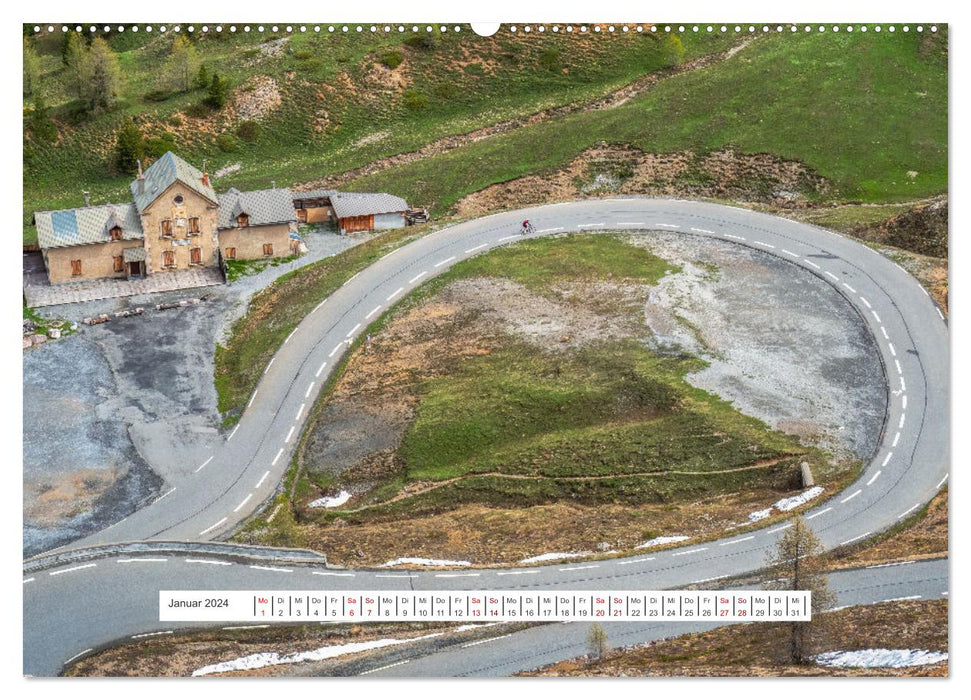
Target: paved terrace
46, 294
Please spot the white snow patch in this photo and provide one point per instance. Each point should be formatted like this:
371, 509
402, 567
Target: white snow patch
796, 501
272, 658
331, 501
786, 504
658, 541
550, 556
881, 658
760, 514
226, 170
418, 561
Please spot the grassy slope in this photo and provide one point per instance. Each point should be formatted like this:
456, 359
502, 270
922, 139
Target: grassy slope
861, 110
612, 410
468, 82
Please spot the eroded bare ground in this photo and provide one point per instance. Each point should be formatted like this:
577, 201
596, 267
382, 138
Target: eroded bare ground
707, 309
754, 650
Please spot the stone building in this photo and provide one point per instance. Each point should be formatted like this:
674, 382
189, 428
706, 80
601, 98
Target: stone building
176, 222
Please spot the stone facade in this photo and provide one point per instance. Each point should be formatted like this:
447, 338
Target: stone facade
176, 246
248, 243
97, 260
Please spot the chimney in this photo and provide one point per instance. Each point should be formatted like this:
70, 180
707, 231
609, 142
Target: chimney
87, 198
205, 179
141, 178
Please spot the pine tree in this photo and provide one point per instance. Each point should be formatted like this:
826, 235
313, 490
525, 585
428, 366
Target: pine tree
218, 92
202, 77
104, 76
130, 147
796, 565
597, 641
42, 128
75, 55
182, 65
31, 67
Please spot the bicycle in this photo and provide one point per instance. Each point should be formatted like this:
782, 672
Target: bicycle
527, 228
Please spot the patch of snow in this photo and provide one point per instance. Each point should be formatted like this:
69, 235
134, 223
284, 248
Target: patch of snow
272, 658
331, 501
796, 501
418, 561
478, 625
760, 514
554, 555
880, 658
658, 541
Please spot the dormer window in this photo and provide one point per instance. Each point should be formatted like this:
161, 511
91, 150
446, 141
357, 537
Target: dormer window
115, 233
242, 221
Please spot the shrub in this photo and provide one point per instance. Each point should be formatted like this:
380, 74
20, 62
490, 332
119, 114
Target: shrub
248, 130
175, 120
158, 145
550, 58
157, 95
198, 111
426, 41
392, 58
303, 55
217, 92
446, 91
415, 100
227, 143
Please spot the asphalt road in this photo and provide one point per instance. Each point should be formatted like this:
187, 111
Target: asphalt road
908, 468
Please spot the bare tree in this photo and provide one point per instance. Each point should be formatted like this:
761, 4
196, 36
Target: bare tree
182, 66
75, 55
796, 565
597, 641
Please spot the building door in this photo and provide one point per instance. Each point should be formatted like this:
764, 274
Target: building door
135, 270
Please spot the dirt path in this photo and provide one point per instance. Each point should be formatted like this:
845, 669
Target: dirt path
422, 487
448, 143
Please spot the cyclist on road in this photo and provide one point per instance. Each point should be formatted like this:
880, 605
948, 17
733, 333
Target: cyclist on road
527, 227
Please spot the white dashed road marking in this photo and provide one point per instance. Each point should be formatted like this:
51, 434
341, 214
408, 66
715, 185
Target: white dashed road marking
810, 262
199, 469
741, 539
445, 261
909, 510
213, 527
548, 230
232, 433
417, 277
941, 482
150, 634
939, 314
875, 315
310, 387
300, 411
589, 225
289, 336
816, 515
831, 275
28, 580
896, 439
578, 568
336, 349
893, 351
211, 562
269, 364
516, 573
330, 573
78, 655
900, 425
884, 566
320, 369
164, 495
455, 575
630, 223
764, 245
143, 560
252, 398
849, 287
245, 501
382, 668
854, 539
737, 238
780, 529
271, 568
887, 459
352, 331
668, 225
690, 551
373, 311
395, 293
884, 331
262, 478
865, 302
637, 561
874, 477
789, 252
277, 458
701, 230
484, 641
897, 363
290, 434
478, 247
852, 496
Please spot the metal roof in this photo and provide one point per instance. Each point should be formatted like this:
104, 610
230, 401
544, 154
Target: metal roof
57, 229
262, 206
314, 194
360, 204
162, 173
134, 254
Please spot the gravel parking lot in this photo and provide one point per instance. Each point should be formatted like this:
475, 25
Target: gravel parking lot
116, 412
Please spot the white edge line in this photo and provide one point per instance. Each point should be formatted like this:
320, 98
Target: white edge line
329, 573
271, 568
145, 560
814, 515
272, 360
78, 655
232, 433
213, 527
252, 398
73, 568
210, 458
941, 482
854, 539
212, 562
907, 512
852, 496
164, 495
245, 501
636, 561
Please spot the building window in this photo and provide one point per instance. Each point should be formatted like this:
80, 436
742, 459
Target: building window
242, 221
76, 268
119, 263
193, 225
268, 249
167, 228
168, 258
179, 199
195, 256
230, 253
115, 233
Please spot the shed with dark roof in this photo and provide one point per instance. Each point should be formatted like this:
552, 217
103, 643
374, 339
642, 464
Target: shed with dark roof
358, 211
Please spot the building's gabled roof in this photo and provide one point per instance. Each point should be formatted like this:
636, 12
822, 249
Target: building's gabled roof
262, 206
360, 204
313, 194
162, 173
58, 229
